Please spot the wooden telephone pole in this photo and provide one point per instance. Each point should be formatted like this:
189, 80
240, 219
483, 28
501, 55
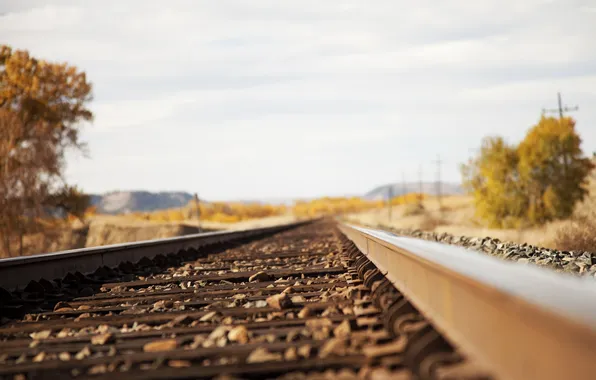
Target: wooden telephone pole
560, 109
197, 212
439, 189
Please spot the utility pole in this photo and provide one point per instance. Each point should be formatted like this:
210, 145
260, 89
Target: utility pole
389, 196
198, 212
561, 109
420, 185
439, 193
404, 191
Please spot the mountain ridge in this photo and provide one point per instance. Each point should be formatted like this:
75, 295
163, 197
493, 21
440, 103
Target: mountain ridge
123, 202
382, 191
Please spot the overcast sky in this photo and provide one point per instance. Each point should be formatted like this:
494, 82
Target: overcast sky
269, 98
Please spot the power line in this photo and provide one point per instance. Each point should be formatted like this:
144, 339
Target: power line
560, 109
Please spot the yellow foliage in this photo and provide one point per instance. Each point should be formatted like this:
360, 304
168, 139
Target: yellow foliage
539, 180
408, 198
90, 211
221, 212
333, 206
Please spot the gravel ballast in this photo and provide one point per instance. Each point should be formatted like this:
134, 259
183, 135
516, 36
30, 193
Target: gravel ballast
575, 262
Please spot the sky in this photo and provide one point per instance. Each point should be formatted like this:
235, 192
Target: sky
278, 99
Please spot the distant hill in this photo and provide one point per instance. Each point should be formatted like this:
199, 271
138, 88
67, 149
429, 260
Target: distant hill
382, 192
121, 202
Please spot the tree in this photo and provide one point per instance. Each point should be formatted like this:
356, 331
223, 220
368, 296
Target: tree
41, 107
553, 169
539, 180
71, 201
493, 180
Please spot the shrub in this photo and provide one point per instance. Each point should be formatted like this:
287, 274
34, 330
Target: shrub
413, 209
430, 222
579, 234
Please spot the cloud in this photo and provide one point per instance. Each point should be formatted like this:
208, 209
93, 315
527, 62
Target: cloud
297, 98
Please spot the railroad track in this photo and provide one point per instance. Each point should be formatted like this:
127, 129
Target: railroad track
310, 300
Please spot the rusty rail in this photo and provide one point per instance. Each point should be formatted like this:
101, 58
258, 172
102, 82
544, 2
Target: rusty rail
518, 321
18, 271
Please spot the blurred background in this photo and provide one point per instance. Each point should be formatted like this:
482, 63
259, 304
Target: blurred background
136, 120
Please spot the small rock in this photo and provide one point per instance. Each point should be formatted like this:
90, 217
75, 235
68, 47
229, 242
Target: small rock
219, 332
64, 356
238, 334
318, 323
291, 354
101, 339
198, 341
82, 316
209, 316
63, 309
84, 307
61, 305
260, 277
261, 355
98, 369
343, 329
321, 334
335, 346
103, 329
289, 290
292, 336
181, 320
39, 357
163, 304
179, 363
85, 352
39, 335
304, 351
330, 311
305, 312
160, 345
298, 299
279, 301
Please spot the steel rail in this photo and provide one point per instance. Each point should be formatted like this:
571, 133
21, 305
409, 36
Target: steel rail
18, 271
518, 321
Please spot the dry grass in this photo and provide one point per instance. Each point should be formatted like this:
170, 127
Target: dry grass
576, 235
432, 222
105, 233
108, 229
455, 215
414, 209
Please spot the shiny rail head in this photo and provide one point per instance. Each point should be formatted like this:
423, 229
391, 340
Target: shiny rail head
561, 292
519, 321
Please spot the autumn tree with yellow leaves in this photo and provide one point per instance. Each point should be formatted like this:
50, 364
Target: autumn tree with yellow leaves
539, 180
42, 106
